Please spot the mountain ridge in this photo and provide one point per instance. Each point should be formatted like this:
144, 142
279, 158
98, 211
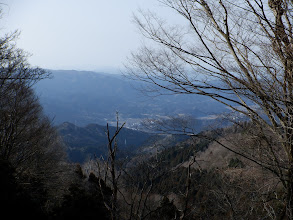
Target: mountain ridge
91, 140
84, 97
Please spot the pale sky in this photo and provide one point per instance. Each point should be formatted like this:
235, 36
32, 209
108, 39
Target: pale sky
76, 34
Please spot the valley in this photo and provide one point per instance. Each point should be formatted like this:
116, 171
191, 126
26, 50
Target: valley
82, 98
81, 103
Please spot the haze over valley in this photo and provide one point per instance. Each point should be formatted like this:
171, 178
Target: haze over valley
83, 97
81, 103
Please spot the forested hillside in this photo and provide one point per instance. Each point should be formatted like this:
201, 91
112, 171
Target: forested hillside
83, 143
199, 178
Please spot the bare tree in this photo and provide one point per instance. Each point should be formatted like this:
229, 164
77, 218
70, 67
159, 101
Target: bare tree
28, 141
14, 66
131, 192
109, 171
132, 182
237, 53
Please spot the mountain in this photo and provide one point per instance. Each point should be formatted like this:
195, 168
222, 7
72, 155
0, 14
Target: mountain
82, 97
88, 141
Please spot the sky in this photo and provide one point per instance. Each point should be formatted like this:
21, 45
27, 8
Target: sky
94, 35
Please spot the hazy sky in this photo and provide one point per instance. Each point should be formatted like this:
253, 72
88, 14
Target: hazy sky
76, 34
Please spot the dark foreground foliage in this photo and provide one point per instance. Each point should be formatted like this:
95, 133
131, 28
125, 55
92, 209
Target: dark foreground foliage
83, 200
15, 201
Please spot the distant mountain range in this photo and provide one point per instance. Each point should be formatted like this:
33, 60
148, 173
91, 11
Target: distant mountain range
81, 103
82, 98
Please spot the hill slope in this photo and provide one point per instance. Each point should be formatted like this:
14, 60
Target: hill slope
85, 142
